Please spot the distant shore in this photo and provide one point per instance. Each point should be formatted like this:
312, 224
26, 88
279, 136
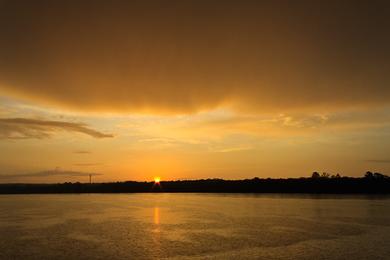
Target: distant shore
342, 185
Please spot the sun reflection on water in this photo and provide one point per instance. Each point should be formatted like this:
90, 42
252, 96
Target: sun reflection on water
156, 234
156, 215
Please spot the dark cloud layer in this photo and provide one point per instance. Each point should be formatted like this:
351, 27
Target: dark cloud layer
24, 128
183, 56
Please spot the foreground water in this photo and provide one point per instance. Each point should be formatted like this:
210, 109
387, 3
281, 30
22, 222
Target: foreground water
193, 226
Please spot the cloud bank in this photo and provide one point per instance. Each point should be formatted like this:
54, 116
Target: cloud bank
186, 56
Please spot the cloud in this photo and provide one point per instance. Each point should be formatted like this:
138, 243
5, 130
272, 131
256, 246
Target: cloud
142, 56
82, 152
234, 149
24, 128
378, 161
48, 173
87, 164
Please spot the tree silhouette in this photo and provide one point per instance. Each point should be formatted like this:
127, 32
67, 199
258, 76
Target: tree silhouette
379, 176
315, 175
369, 175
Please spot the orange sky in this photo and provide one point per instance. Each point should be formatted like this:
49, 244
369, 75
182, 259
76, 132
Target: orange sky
192, 89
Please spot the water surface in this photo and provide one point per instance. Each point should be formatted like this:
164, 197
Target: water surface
194, 226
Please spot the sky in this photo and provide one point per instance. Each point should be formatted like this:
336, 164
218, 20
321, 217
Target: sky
129, 90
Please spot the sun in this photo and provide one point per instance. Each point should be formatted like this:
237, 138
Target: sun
157, 180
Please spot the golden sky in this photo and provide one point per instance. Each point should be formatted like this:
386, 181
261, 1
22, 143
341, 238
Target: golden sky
192, 89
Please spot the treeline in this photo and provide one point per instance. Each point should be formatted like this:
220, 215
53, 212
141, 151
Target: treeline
371, 183
367, 175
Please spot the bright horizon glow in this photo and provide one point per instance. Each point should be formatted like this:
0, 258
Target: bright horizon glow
157, 180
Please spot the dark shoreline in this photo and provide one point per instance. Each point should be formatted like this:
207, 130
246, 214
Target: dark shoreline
343, 185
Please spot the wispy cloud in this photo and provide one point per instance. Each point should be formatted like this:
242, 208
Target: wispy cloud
48, 173
82, 152
25, 128
234, 149
379, 161
87, 164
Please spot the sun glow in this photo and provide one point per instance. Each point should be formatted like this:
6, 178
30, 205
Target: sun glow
157, 180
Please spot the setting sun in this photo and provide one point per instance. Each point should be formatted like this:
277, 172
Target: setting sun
157, 180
